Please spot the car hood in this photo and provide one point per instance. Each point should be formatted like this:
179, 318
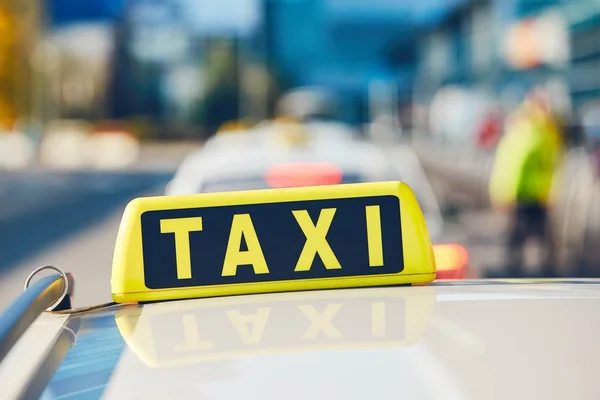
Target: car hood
468, 340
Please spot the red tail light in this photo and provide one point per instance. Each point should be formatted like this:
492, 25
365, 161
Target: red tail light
451, 261
303, 174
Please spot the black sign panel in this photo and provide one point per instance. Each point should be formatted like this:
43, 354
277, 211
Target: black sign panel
277, 236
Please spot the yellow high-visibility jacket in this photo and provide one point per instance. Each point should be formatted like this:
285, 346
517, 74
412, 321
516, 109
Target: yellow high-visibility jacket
527, 159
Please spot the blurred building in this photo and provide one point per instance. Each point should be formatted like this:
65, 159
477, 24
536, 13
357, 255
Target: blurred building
583, 17
380, 55
351, 45
505, 47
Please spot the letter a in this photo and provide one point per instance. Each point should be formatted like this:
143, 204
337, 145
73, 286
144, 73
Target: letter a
234, 257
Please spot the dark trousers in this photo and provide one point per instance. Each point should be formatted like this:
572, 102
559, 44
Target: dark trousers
530, 221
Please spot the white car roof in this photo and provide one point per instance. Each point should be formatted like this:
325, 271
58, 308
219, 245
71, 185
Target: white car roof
443, 341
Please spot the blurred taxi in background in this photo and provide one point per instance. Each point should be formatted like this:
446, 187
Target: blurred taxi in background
306, 146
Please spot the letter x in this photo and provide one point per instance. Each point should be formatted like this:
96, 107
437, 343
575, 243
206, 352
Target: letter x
316, 241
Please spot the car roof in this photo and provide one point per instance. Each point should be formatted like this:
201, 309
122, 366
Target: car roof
472, 339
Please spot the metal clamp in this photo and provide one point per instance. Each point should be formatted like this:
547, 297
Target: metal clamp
44, 294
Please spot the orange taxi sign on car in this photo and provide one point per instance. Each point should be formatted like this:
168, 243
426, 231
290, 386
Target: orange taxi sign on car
276, 240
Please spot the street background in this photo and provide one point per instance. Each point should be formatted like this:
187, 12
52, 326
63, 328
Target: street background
101, 100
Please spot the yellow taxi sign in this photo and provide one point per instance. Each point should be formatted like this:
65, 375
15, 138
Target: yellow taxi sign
276, 240
212, 330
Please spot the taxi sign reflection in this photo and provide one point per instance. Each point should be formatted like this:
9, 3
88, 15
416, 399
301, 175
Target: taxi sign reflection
207, 330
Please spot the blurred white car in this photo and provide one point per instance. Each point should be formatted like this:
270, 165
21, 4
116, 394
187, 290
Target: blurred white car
287, 154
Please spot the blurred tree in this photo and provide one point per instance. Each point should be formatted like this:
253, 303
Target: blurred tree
19, 25
8, 27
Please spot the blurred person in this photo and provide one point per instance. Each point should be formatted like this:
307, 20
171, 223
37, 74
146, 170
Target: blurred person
527, 159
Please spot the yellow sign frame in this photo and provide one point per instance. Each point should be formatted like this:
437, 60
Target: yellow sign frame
128, 283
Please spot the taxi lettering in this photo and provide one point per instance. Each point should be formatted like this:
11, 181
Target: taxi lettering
316, 242
286, 244
243, 231
242, 227
181, 228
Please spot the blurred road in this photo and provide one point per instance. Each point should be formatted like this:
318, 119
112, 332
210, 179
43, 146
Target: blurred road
83, 245
70, 220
